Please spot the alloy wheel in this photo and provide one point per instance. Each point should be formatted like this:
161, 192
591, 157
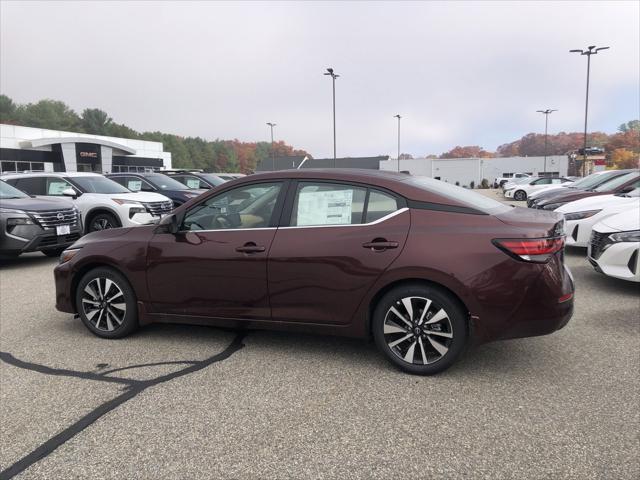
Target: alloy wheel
101, 224
418, 330
103, 303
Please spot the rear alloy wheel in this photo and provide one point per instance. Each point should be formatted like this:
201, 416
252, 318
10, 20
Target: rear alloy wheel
106, 303
102, 221
420, 329
520, 195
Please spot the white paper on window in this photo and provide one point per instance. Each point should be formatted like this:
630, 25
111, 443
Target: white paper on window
325, 207
193, 183
56, 188
134, 185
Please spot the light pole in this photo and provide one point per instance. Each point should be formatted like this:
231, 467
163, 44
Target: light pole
333, 77
546, 113
591, 50
398, 117
273, 157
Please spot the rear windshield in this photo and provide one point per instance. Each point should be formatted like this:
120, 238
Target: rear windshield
97, 184
616, 182
459, 195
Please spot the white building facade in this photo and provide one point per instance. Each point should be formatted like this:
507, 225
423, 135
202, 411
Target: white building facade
467, 170
36, 149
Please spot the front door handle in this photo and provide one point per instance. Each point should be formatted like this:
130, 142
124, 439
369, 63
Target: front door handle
250, 248
380, 244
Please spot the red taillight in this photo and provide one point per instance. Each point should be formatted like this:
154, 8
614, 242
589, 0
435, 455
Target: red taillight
531, 249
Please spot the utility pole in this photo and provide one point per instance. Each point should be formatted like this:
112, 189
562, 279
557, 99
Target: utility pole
546, 113
273, 157
333, 77
398, 117
591, 50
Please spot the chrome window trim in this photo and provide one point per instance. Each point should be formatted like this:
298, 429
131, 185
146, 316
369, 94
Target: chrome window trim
228, 230
375, 222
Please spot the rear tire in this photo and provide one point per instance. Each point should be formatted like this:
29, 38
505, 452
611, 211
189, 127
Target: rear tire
520, 195
106, 303
418, 341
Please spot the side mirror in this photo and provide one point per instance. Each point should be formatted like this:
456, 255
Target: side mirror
70, 192
169, 223
628, 189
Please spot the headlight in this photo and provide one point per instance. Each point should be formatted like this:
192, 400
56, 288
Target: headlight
630, 236
580, 215
12, 222
552, 206
136, 209
125, 201
68, 255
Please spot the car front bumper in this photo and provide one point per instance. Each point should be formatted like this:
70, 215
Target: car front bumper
619, 260
32, 238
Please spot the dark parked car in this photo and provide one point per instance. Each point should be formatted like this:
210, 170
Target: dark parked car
620, 184
156, 182
196, 180
587, 183
422, 266
33, 224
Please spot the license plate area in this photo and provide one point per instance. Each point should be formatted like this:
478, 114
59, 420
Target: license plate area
63, 230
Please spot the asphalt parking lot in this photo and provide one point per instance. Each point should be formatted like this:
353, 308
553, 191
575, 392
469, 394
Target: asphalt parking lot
195, 402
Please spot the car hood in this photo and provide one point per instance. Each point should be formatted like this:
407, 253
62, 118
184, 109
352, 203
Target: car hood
140, 196
625, 221
597, 202
570, 196
36, 204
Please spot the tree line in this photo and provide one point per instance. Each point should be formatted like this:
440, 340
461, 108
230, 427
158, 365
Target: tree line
186, 152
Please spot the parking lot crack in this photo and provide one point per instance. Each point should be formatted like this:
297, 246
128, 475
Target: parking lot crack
132, 389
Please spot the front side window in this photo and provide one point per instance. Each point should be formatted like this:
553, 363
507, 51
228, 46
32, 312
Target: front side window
250, 206
190, 181
55, 186
318, 204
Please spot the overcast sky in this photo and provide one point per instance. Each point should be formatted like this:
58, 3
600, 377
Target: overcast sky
459, 73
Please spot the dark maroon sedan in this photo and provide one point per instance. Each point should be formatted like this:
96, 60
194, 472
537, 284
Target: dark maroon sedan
422, 266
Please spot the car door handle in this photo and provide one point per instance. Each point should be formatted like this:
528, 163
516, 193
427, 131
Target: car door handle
250, 248
380, 244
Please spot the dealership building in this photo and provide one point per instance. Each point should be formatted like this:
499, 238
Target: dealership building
35, 149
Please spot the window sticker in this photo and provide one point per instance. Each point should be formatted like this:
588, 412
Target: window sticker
56, 188
134, 185
193, 183
331, 207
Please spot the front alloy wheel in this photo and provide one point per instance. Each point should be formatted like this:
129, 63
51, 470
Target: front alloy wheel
106, 303
520, 195
421, 329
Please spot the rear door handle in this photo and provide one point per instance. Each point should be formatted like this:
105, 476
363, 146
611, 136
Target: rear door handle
250, 248
380, 244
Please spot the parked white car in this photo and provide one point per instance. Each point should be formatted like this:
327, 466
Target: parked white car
514, 182
614, 246
522, 190
580, 216
103, 203
498, 182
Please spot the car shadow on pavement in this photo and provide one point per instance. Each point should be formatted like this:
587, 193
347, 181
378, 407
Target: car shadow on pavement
27, 260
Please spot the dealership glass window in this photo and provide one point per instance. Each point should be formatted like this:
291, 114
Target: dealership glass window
250, 206
327, 204
8, 166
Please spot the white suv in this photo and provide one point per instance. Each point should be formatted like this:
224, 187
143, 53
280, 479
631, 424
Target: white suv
103, 203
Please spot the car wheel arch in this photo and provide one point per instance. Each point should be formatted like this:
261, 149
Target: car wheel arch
381, 292
96, 211
86, 268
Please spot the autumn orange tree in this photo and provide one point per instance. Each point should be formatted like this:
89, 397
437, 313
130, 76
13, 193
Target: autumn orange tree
623, 158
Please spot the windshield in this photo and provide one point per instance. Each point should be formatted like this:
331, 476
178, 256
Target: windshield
616, 182
212, 179
98, 184
164, 183
470, 198
7, 191
593, 180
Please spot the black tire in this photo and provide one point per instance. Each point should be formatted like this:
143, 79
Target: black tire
102, 221
109, 312
520, 195
54, 252
455, 324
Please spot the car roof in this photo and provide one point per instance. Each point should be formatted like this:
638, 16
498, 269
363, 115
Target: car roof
51, 174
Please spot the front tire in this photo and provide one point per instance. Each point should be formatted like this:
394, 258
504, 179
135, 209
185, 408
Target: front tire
102, 221
420, 329
520, 195
106, 303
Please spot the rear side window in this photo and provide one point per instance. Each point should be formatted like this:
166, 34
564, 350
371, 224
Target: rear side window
30, 185
380, 205
318, 204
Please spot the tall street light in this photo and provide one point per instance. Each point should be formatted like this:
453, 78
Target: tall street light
591, 50
333, 77
398, 117
546, 113
273, 157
